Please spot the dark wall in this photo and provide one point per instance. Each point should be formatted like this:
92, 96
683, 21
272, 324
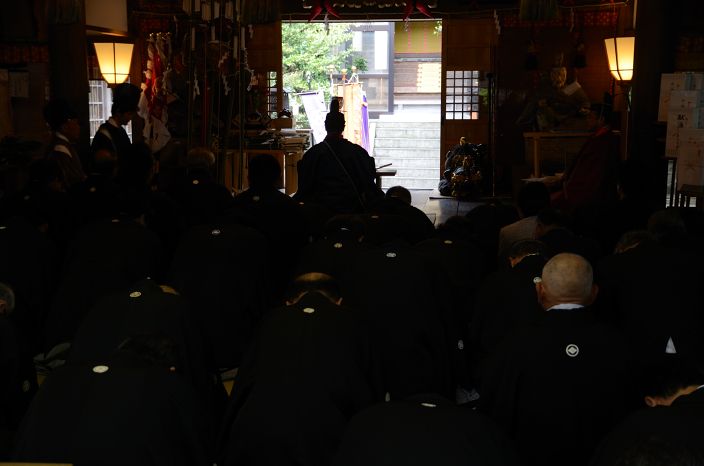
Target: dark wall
657, 24
663, 28
45, 39
513, 49
69, 71
17, 22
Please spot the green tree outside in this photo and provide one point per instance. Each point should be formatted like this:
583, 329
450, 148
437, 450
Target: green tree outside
308, 50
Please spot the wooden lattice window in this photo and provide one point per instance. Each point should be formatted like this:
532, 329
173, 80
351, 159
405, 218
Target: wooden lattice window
272, 97
462, 95
99, 106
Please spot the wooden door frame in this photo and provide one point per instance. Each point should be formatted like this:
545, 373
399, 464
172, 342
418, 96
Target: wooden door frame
480, 51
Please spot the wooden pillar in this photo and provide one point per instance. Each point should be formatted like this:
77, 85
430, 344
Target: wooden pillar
656, 34
68, 69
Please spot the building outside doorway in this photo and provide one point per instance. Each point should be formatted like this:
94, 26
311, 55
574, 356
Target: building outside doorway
399, 68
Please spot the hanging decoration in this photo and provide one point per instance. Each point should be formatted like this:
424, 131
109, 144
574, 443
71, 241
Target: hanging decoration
11, 54
571, 19
196, 84
320, 6
253, 80
156, 90
583, 19
412, 5
329, 7
223, 66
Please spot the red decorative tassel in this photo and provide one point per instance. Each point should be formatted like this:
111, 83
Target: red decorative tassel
329, 8
317, 9
412, 5
322, 5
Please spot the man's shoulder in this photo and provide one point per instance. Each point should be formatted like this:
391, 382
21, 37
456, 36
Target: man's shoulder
355, 147
526, 224
106, 127
103, 135
342, 145
59, 150
316, 150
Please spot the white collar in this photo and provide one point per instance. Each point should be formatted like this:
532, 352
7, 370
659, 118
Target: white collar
62, 137
112, 121
565, 306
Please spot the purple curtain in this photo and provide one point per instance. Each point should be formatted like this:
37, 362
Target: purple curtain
365, 123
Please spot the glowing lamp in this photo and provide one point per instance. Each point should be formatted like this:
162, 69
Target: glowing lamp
114, 59
620, 51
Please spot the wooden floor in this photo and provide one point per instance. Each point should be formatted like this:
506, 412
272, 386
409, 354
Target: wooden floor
439, 208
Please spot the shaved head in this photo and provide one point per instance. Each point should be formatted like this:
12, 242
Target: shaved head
566, 278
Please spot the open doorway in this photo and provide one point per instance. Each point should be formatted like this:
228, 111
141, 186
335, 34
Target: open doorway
398, 67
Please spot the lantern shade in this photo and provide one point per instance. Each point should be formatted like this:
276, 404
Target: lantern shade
620, 51
114, 59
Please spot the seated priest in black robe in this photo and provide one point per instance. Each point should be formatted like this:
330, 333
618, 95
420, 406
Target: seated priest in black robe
531, 199
336, 172
673, 390
276, 216
200, 198
342, 238
146, 308
420, 431
384, 229
406, 303
652, 291
133, 408
97, 195
28, 266
105, 257
559, 386
222, 272
553, 228
460, 264
18, 382
143, 308
633, 208
656, 452
311, 367
506, 301
397, 201
135, 181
